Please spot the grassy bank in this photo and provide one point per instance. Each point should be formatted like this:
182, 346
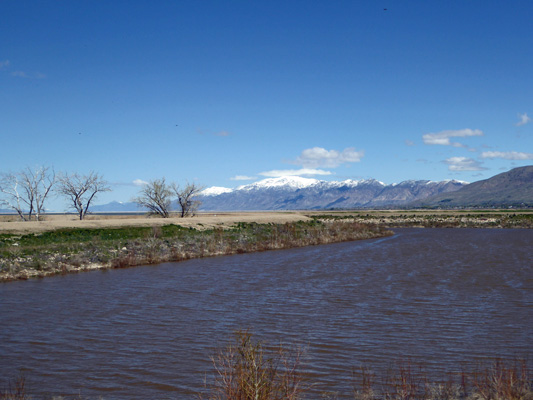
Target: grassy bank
71, 250
435, 219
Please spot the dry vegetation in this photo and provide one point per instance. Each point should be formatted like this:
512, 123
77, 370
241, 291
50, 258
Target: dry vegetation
12, 224
249, 370
246, 370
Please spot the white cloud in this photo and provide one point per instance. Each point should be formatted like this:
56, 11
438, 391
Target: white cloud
524, 119
139, 182
463, 164
277, 173
443, 138
507, 155
320, 157
243, 178
409, 143
20, 74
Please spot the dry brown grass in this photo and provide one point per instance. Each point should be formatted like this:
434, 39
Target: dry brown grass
10, 224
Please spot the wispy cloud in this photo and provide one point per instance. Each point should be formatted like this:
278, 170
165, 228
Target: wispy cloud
277, 173
22, 74
4, 65
409, 143
243, 178
443, 138
507, 155
463, 164
320, 157
139, 182
524, 119
19, 74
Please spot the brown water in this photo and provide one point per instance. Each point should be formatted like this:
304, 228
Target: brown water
447, 297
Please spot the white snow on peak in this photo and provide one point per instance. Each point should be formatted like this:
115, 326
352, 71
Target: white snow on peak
215, 191
352, 183
298, 182
293, 182
412, 182
458, 181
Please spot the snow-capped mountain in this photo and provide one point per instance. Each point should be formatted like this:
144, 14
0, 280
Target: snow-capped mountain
512, 188
297, 193
215, 191
285, 182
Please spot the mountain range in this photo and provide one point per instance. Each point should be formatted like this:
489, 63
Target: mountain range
296, 193
509, 189
512, 188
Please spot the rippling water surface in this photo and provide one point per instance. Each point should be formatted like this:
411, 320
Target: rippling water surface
447, 297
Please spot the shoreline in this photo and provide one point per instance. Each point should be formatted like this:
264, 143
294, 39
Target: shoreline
62, 244
77, 250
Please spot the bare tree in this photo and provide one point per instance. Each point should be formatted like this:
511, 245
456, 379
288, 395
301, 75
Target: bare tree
155, 196
81, 190
27, 190
187, 198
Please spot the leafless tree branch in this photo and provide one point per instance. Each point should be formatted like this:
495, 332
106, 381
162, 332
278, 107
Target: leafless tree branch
81, 190
187, 198
27, 190
155, 196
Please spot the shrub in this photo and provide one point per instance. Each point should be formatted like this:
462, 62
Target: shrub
246, 370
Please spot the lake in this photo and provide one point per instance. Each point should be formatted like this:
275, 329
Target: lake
447, 298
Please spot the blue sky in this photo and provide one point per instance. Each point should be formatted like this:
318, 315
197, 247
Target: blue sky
223, 93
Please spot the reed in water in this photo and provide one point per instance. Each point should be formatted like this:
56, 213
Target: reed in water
248, 369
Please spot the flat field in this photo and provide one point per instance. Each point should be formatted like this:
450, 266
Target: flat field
208, 220
51, 222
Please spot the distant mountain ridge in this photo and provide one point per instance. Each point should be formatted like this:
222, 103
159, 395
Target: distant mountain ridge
513, 188
297, 193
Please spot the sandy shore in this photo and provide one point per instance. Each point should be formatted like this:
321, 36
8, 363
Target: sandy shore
9, 224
